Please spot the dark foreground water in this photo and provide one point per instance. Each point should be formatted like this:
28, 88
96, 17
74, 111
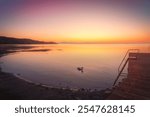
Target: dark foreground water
59, 65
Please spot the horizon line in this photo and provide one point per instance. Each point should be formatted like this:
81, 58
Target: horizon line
80, 42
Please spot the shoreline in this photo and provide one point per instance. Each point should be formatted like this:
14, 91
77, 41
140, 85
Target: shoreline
13, 87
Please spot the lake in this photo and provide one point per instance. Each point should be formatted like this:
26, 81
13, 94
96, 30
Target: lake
58, 65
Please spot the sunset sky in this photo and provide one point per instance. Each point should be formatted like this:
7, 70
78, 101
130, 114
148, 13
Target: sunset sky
79, 21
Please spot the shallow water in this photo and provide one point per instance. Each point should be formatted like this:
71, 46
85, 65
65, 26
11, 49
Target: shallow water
56, 65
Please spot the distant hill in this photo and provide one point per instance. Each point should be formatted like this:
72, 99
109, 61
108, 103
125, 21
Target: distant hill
12, 40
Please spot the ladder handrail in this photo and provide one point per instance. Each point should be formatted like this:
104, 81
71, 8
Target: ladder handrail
125, 63
121, 71
137, 51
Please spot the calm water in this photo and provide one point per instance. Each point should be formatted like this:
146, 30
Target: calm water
58, 66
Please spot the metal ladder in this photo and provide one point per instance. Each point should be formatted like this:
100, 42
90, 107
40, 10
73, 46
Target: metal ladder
124, 62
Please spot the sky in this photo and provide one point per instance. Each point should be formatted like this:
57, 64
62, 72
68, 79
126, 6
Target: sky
77, 21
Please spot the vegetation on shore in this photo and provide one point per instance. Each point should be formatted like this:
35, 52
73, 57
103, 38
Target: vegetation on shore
12, 40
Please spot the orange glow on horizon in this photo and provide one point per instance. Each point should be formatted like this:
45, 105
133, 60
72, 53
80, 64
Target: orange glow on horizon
58, 39
76, 23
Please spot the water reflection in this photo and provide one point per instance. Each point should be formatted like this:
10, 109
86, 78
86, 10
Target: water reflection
76, 66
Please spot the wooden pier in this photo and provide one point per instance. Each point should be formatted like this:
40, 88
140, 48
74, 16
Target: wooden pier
136, 86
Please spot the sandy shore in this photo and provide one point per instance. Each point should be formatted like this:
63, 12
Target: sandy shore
12, 87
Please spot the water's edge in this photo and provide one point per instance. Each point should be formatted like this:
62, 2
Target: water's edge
15, 87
